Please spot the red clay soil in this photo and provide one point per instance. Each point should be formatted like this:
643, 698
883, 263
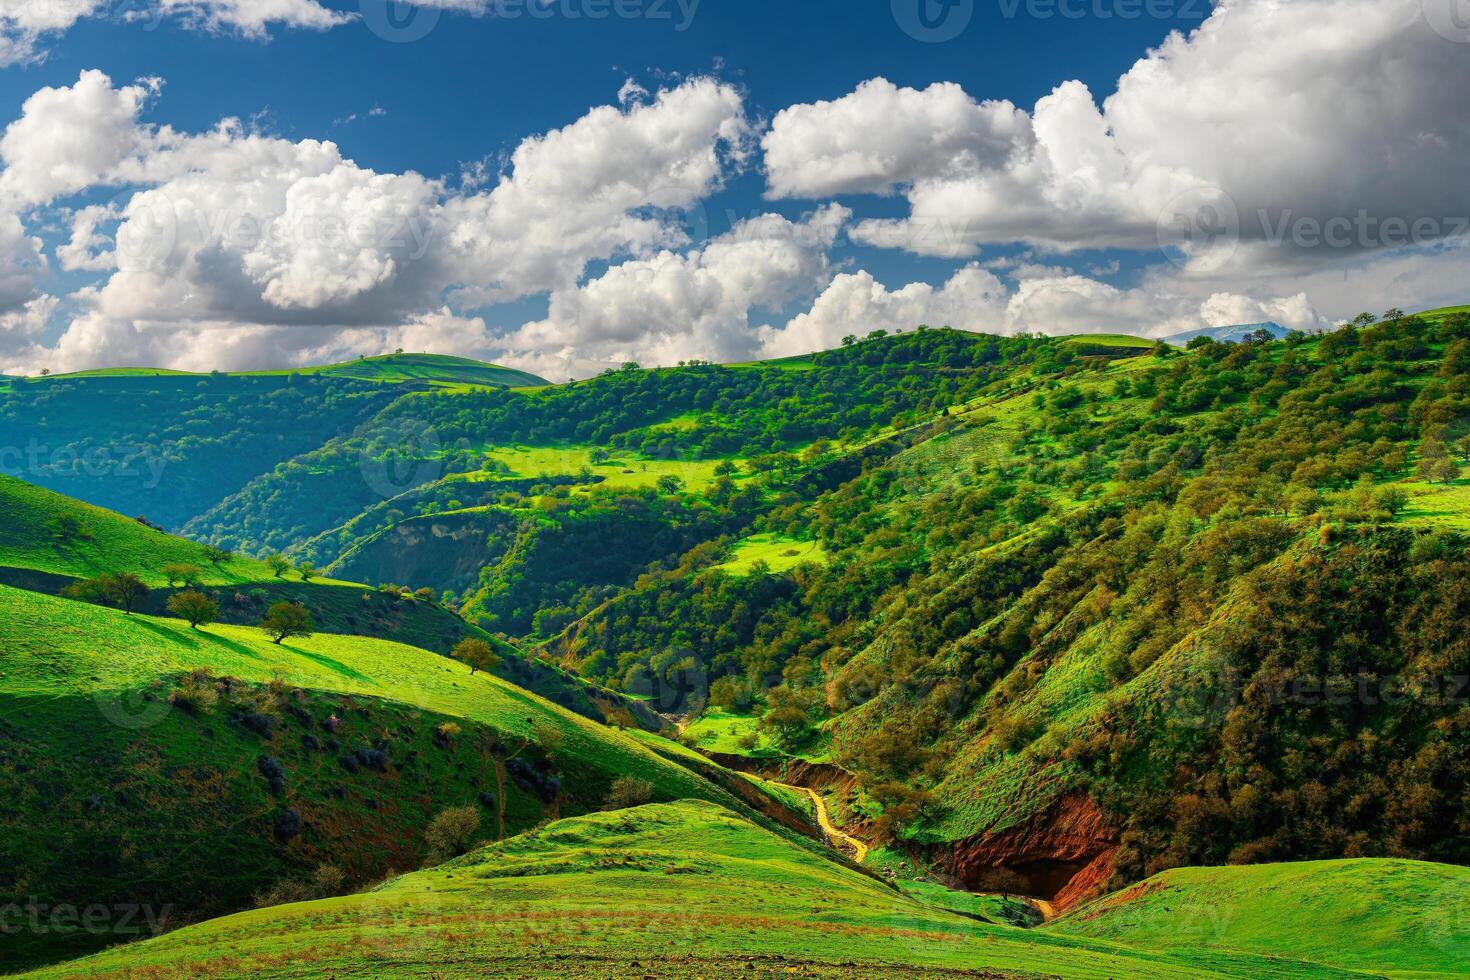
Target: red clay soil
1065, 855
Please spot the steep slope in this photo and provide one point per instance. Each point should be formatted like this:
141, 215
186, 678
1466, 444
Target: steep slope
1119, 616
679, 890
185, 769
46, 532
170, 445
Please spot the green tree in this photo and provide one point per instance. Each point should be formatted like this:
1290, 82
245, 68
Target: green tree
125, 589
627, 792
217, 556
278, 564
306, 570
286, 619
180, 573
478, 654
670, 484
451, 833
198, 608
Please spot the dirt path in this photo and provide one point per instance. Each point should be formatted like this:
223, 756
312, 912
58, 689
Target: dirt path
1044, 907
833, 832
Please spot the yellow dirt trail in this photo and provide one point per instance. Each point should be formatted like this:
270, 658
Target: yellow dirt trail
833, 832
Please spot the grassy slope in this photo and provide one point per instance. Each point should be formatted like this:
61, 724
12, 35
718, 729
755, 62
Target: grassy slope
687, 889
780, 554
1403, 918
108, 542
58, 648
156, 785
389, 368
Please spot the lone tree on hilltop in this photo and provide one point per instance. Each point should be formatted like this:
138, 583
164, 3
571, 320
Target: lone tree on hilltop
306, 570
198, 608
478, 654
286, 619
217, 556
278, 565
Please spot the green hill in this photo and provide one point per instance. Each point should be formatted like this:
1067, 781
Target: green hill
1034, 616
678, 890
1400, 918
46, 532
387, 368
142, 744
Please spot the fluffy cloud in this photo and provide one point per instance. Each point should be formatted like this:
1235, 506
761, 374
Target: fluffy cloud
70, 138
233, 227
671, 306
253, 18
599, 187
1270, 112
24, 22
855, 303
882, 136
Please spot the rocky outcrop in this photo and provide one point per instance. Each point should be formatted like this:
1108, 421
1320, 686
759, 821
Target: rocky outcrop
1064, 855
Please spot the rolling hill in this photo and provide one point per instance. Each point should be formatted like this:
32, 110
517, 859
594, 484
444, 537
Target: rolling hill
689, 889
1117, 626
194, 768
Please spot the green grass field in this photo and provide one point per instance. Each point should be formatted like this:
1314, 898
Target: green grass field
1395, 918
678, 890
778, 552
161, 795
623, 471
32, 536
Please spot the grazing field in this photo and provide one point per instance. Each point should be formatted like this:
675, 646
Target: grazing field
677, 890
776, 552
1380, 917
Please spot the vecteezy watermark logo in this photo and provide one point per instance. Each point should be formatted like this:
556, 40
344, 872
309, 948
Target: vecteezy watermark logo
399, 22
1446, 919
1200, 229
1362, 231
148, 232
1450, 19
41, 919
134, 710
933, 21
1106, 9
125, 461
407, 455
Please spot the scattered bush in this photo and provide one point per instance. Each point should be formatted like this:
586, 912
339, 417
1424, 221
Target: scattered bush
451, 833
627, 792
196, 693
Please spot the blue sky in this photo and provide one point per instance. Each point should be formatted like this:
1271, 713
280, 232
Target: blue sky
1258, 112
474, 86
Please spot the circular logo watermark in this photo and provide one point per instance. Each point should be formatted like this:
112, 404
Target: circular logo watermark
399, 23
133, 710
933, 21
408, 455
1450, 19
148, 231
1200, 229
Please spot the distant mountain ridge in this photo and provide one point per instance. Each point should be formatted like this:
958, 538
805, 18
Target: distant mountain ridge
1233, 334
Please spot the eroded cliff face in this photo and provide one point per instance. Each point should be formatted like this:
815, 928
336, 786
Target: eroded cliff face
1064, 855
445, 552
